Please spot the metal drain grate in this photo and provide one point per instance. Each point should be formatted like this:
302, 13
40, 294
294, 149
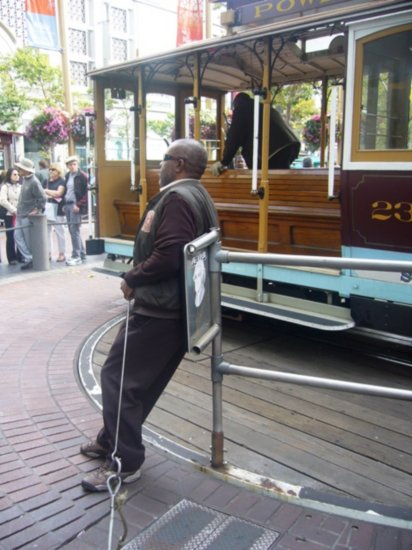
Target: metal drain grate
189, 526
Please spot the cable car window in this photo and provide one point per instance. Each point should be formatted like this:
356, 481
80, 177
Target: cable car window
118, 138
208, 126
383, 118
160, 124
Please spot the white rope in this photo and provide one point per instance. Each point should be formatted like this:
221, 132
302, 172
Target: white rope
114, 481
119, 408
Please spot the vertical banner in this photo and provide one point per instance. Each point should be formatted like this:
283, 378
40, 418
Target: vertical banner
189, 21
41, 24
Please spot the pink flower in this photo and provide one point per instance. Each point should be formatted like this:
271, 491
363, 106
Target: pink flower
49, 128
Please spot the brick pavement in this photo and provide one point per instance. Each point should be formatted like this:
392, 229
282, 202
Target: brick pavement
45, 415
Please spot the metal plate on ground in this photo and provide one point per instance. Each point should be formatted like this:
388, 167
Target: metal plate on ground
189, 526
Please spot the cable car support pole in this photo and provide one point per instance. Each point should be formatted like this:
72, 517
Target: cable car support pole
196, 98
264, 184
141, 110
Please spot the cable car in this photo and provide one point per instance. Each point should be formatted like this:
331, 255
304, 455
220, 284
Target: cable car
356, 204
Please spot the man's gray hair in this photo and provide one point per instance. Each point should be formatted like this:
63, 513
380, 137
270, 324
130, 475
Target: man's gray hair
194, 154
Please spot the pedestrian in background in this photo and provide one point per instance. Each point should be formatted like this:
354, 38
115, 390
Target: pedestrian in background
156, 335
32, 200
75, 205
9, 197
55, 189
43, 173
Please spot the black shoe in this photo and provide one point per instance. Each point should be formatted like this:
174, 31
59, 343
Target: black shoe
27, 265
93, 449
97, 481
13, 262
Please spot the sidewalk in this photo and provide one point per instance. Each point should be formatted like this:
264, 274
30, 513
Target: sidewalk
45, 416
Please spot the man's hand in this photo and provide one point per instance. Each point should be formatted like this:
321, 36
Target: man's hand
127, 290
217, 168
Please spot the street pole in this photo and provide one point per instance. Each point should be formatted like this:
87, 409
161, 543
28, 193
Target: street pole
65, 66
208, 19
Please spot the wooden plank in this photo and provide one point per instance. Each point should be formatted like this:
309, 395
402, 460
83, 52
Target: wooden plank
363, 438
302, 453
199, 440
392, 415
301, 217
332, 441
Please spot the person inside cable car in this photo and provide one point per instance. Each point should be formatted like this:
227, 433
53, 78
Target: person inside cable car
284, 146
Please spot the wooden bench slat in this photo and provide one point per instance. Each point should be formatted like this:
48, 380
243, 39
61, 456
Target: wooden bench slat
301, 217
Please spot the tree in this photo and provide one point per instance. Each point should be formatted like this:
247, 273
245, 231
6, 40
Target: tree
12, 105
28, 80
296, 104
163, 127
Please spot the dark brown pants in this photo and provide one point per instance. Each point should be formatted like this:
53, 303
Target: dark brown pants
155, 347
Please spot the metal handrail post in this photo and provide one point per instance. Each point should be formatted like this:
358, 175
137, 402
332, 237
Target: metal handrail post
39, 242
227, 256
217, 443
315, 381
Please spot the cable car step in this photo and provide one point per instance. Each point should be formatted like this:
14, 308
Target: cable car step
292, 310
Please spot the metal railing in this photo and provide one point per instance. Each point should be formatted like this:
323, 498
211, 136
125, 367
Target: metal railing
213, 334
39, 238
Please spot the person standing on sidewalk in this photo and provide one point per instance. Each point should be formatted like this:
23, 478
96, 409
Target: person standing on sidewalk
156, 335
55, 188
75, 205
9, 197
32, 201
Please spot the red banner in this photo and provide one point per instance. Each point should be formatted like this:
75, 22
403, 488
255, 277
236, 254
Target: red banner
189, 21
42, 24
43, 7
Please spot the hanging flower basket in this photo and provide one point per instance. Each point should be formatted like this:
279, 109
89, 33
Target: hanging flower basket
311, 133
78, 126
49, 128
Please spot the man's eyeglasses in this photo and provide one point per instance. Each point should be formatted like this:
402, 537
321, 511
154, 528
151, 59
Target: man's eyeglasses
171, 157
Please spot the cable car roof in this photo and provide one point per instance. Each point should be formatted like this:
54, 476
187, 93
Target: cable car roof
235, 62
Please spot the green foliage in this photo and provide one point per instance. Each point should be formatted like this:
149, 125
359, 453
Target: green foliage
12, 105
28, 80
163, 128
296, 103
166, 128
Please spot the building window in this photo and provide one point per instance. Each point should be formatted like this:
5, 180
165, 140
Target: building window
118, 20
77, 42
77, 10
12, 14
78, 72
119, 49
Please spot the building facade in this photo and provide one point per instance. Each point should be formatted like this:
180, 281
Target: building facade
101, 32
97, 33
